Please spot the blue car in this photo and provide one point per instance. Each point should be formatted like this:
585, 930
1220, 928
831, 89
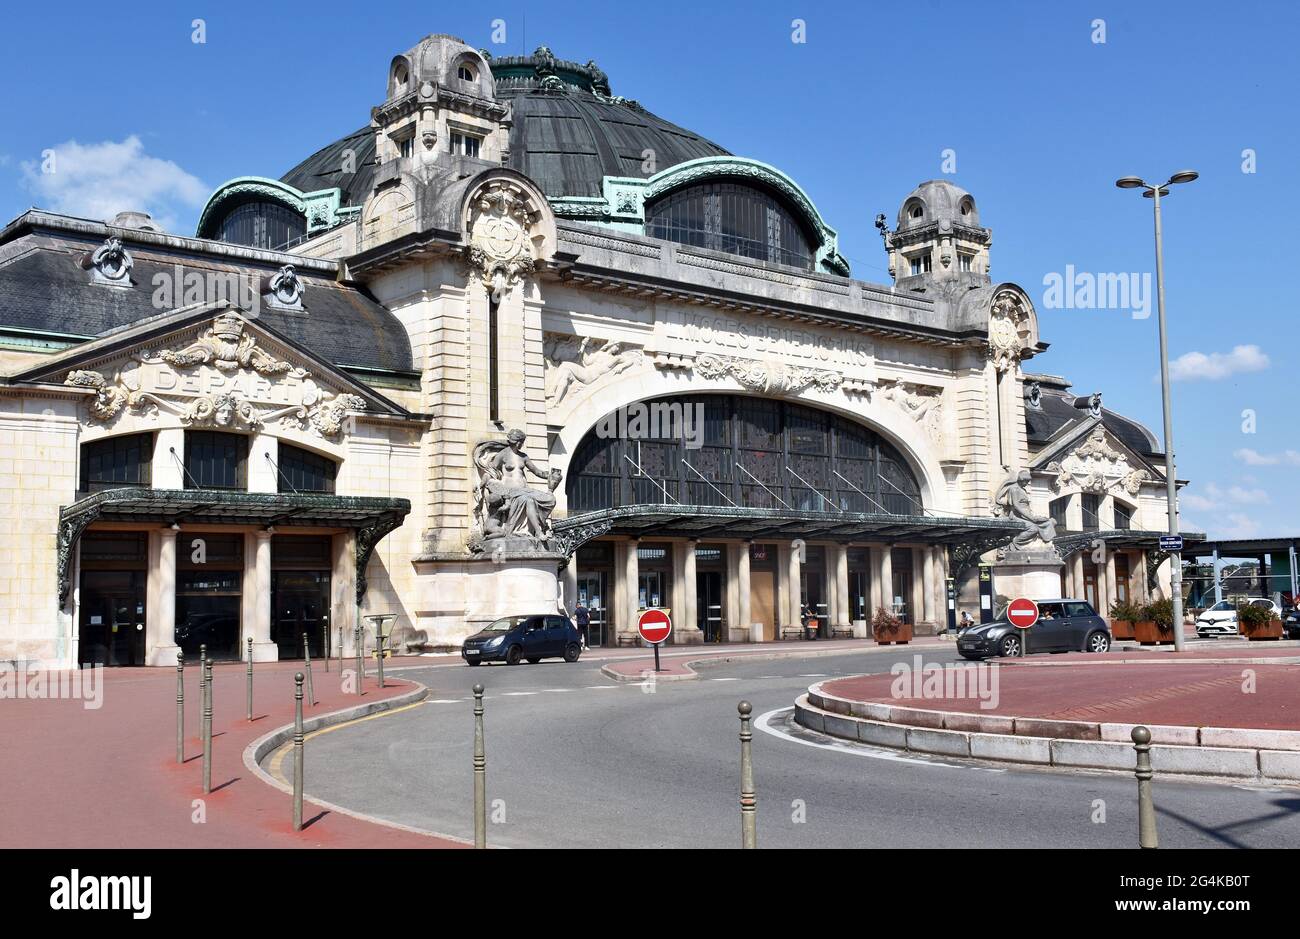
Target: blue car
515, 638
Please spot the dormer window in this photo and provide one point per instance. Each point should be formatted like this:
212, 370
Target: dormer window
915, 212
401, 80
465, 144
920, 264
466, 74
966, 206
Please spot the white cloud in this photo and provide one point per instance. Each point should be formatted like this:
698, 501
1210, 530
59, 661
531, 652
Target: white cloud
1255, 458
1195, 366
1216, 497
1238, 526
99, 180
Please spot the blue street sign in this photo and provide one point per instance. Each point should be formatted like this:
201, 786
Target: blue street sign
1171, 542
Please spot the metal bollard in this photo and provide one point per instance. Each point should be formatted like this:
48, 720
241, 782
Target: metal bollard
203, 675
480, 773
325, 642
306, 657
361, 668
180, 707
297, 752
379, 652
1146, 808
250, 678
748, 799
207, 726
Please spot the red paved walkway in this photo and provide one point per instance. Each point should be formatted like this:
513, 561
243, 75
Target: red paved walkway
1133, 689
73, 777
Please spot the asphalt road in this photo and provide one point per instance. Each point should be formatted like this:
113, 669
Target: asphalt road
577, 760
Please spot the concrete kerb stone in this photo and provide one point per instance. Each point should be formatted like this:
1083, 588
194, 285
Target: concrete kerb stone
260, 748
1181, 751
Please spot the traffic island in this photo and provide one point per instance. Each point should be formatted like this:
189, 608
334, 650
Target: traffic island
1234, 720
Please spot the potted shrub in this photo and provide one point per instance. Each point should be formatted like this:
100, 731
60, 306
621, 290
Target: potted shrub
887, 627
1156, 623
1257, 622
1122, 617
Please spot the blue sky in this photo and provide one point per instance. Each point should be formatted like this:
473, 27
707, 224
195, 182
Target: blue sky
1041, 117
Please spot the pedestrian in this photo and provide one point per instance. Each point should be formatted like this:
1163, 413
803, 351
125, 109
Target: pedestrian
966, 621
809, 619
582, 617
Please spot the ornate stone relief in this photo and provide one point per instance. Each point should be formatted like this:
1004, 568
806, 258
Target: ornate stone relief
1095, 466
503, 234
921, 403
227, 346
221, 399
766, 377
571, 361
284, 289
1008, 331
111, 263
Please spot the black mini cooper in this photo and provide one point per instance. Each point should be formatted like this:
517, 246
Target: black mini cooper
514, 638
1063, 626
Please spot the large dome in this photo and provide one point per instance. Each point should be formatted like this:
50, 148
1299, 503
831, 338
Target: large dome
568, 134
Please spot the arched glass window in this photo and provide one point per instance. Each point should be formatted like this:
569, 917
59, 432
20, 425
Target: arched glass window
735, 218
756, 452
304, 471
116, 462
262, 224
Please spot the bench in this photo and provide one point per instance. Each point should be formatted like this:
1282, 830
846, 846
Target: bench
841, 632
791, 632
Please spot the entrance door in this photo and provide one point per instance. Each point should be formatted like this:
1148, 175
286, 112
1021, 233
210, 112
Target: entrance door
591, 593
762, 602
811, 583
300, 604
708, 605
650, 589
112, 624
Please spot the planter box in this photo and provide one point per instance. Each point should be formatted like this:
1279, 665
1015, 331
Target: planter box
901, 635
1270, 630
1122, 629
1148, 633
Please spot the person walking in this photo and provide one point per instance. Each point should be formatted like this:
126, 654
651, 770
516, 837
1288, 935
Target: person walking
582, 619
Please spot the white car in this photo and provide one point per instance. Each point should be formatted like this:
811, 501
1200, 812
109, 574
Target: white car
1221, 619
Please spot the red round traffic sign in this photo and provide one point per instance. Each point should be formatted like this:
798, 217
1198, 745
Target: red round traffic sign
654, 626
1022, 612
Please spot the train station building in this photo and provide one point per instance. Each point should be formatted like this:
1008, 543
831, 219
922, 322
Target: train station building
305, 413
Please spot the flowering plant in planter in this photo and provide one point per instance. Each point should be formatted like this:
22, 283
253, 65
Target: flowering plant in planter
887, 627
1156, 622
1258, 622
1122, 617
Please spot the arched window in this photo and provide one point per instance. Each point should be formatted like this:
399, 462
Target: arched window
756, 452
262, 223
916, 211
466, 73
401, 80
116, 462
732, 217
304, 471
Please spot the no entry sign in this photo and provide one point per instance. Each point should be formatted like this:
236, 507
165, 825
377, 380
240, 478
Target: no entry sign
654, 626
1022, 612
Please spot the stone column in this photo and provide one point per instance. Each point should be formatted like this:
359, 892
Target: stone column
1110, 584
843, 608
742, 592
687, 627
927, 585
569, 581
887, 577
631, 574
876, 599
264, 650
793, 605
160, 622
1076, 565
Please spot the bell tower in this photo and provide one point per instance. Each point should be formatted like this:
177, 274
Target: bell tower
938, 239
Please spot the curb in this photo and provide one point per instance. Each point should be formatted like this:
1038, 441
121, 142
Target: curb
1215, 752
256, 751
728, 658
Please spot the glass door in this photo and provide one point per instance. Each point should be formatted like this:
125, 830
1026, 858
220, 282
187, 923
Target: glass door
591, 594
112, 618
708, 605
300, 604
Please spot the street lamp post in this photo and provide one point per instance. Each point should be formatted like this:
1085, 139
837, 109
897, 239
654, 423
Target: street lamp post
1171, 484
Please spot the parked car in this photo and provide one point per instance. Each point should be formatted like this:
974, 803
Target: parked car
1221, 619
515, 638
1064, 625
1291, 623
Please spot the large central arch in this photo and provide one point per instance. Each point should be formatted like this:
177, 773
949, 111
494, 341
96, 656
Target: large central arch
737, 449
